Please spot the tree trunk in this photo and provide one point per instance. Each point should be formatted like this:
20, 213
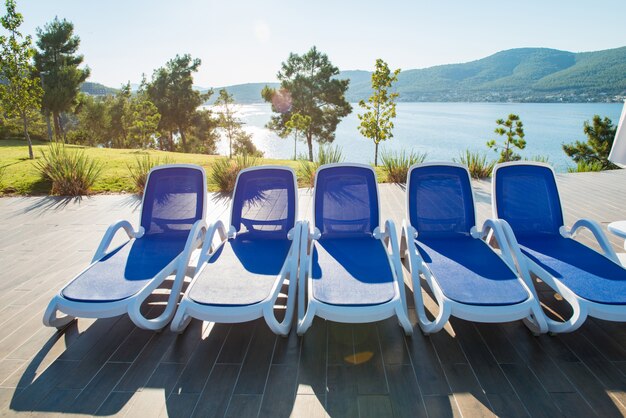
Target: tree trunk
309, 142
27, 136
375, 154
295, 142
171, 141
48, 125
183, 138
57, 127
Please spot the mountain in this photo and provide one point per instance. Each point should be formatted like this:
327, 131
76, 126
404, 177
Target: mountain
243, 93
524, 74
519, 75
96, 89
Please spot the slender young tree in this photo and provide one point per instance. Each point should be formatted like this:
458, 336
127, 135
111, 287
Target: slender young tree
600, 136
297, 124
57, 61
239, 141
380, 109
513, 130
227, 120
308, 86
20, 93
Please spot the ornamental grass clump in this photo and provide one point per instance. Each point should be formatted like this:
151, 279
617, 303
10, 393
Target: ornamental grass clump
71, 172
325, 155
477, 164
140, 169
225, 171
396, 164
584, 166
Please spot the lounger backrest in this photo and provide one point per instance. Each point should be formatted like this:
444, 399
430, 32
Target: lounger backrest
440, 201
264, 201
526, 196
346, 200
174, 198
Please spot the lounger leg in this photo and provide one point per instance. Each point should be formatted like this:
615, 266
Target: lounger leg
181, 319
50, 318
305, 323
404, 321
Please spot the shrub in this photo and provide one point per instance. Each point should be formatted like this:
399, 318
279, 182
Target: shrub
72, 173
476, 163
397, 164
139, 171
325, 155
225, 171
583, 166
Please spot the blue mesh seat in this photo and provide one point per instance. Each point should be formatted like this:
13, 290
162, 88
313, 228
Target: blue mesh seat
468, 279
241, 279
351, 276
173, 206
526, 197
441, 209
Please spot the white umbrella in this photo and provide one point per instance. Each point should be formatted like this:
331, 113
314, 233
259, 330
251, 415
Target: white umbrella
618, 151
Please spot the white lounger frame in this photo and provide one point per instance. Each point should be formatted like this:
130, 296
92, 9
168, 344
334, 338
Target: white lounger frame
188, 308
581, 307
132, 305
350, 314
528, 310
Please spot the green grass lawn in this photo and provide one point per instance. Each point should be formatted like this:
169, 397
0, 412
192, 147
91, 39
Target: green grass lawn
19, 176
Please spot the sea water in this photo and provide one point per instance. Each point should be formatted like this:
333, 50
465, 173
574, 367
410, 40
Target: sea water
444, 130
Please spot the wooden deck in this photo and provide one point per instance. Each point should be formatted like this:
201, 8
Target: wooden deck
109, 367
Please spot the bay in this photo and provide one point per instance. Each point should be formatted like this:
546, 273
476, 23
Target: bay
444, 130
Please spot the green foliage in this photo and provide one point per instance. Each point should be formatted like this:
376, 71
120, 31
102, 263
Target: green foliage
71, 172
513, 130
296, 124
2, 175
57, 62
20, 91
477, 164
396, 164
171, 90
225, 171
141, 121
539, 159
141, 167
595, 151
308, 86
380, 109
94, 121
584, 166
203, 134
325, 155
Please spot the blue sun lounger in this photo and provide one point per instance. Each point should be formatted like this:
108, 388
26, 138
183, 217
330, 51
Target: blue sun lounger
345, 266
467, 278
242, 276
120, 280
525, 195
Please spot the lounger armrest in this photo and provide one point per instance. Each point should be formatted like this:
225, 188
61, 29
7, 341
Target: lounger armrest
597, 232
306, 239
197, 236
389, 235
515, 251
207, 245
493, 230
110, 234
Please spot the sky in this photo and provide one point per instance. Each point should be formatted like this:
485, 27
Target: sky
246, 41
